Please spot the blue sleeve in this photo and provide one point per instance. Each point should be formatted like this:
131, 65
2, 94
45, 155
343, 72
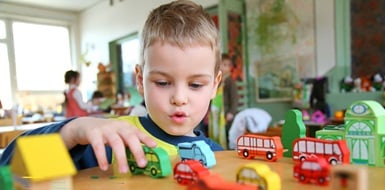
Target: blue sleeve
82, 155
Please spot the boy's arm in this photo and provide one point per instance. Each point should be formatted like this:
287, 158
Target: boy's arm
51, 128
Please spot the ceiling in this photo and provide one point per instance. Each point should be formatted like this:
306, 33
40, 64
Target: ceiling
68, 5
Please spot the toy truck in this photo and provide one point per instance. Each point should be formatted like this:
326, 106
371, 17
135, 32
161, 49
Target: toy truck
197, 150
158, 162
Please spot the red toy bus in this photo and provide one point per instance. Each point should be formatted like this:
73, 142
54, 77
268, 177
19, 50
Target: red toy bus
250, 146
334, 151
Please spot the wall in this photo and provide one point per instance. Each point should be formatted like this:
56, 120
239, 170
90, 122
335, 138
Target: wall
324, 50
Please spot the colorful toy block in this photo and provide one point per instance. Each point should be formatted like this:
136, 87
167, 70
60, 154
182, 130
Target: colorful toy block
313, 170
349, 177
6, 181
259, 175
197, 150
331, 132
189, 171
42, 162
250, 146
364, 133
335, 152
292, 128
158, 162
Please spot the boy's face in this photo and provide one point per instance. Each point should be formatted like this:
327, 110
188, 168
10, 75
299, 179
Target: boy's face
177, 85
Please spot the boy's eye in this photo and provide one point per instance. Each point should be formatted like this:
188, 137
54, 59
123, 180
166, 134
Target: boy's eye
162, 83
196, 85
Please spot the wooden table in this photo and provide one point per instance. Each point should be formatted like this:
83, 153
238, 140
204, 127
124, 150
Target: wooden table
8, 133
227, 165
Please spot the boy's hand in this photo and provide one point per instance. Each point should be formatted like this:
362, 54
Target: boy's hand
99, 132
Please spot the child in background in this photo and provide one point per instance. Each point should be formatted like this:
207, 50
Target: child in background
73, 104
230, 96
177, 77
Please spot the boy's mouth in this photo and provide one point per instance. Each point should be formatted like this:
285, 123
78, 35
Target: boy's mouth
178, 117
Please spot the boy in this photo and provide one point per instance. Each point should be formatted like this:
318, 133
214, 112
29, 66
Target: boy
178, 76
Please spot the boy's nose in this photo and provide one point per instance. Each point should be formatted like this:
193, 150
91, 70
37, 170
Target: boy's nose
179, 97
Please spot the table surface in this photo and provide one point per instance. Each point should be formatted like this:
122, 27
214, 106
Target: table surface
227, 164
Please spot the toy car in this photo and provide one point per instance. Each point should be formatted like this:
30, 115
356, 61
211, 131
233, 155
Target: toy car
197, 150
188, 171
259, 175
158, 162
313, 169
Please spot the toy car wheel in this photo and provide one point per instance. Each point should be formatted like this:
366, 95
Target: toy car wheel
302, 178
333, 162
132, 168
246, 154
321, 180
269, 155
179, 180
153, 172
202, 162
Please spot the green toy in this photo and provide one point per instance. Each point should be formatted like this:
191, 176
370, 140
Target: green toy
364, 132
331, 132
6, 181
292, 129
158, 162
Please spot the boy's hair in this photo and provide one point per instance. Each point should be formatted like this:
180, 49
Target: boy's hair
225, 56
182, 23
70, 75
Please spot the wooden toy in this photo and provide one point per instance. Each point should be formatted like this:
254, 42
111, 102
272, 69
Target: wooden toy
249, 146
158, 162
349, 177
216, 182
197, 150
313, 170
331, 132
6, 181
335, 152
188, 171
42, 162
292, 128
364, 133
259, 175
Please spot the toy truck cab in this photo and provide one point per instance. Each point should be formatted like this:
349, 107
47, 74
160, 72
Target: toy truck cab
313, 169
189, 171
197, 150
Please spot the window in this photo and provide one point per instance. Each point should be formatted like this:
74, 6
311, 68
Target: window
33, 59
43, 48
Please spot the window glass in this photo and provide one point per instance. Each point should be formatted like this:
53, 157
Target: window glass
42, 56
3, 34
5, 83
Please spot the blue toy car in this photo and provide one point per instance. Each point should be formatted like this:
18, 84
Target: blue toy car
197, 150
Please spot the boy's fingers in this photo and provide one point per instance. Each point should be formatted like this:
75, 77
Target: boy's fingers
100, 153
119, 151
136, 149
147, 140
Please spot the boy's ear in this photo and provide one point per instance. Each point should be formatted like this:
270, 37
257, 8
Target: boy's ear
139, 79
217, 81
